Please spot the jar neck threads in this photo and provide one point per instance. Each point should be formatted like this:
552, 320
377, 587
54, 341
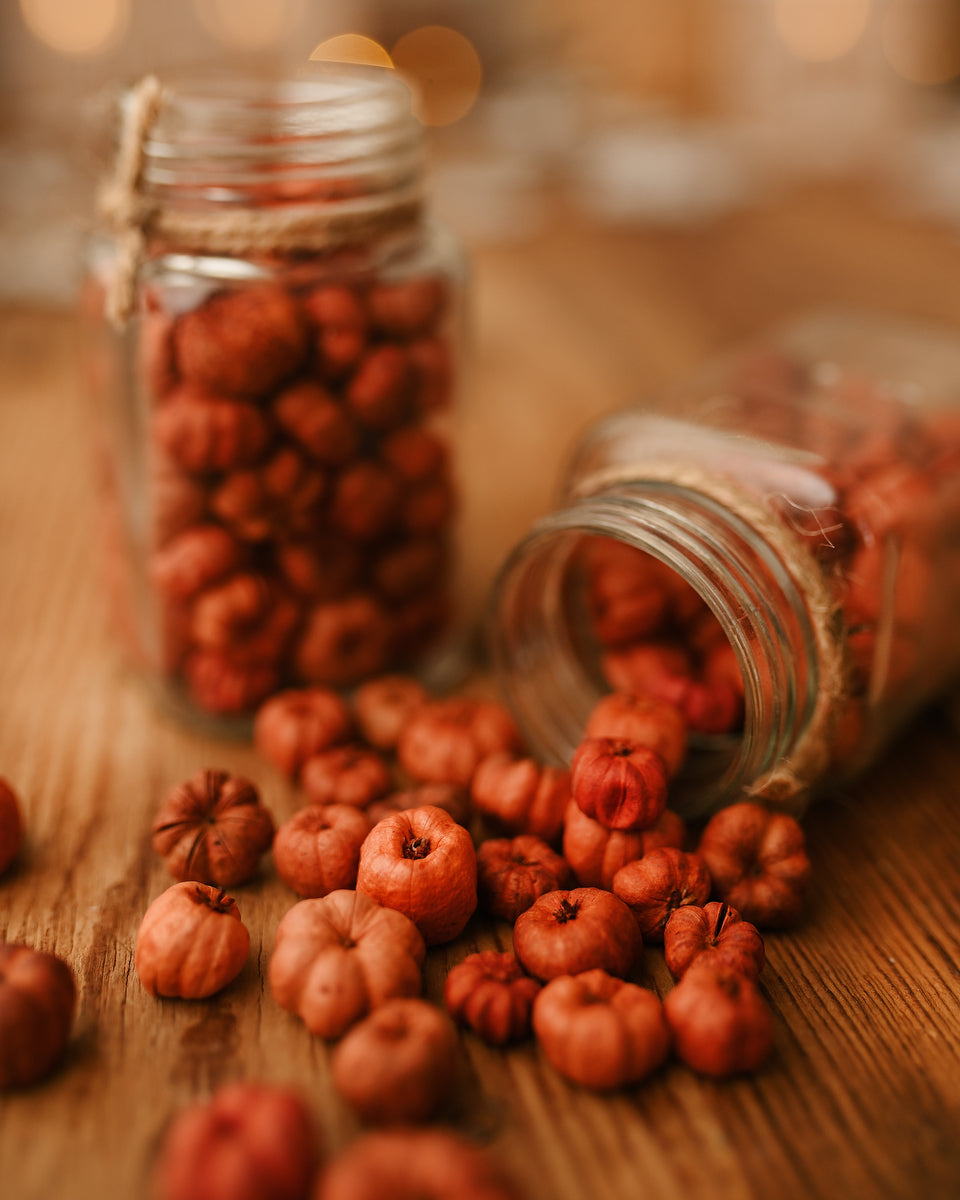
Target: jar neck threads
548, 662
243, 167
344, 139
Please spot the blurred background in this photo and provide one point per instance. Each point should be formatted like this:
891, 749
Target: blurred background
628, 113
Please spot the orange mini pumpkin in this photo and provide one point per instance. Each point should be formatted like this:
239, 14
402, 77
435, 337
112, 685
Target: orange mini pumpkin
521, 796
444, 741
644, 720
318, 849
600, 1031
566, 932
38, 996
596, 853
191, 942
11, 825
249, 1140
429, 1164
423, 864
337, 958
213, 829
399, 1064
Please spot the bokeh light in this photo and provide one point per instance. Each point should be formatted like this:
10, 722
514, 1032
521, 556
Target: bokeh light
352, 48
821, 30
249, 24
921, 40
444, 70
77, 27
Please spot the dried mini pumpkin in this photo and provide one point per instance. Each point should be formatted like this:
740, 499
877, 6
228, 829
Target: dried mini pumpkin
351, 774
758, 862
336, 958
716, 934
512, 873
412, 1164
383, 706
490, 993
596, 853
249, 1141
600, 1031
213, 829
191, 942
423, 864
452, 800
619, 783
521, 796
644, 721
38, 995
657, 884
318, 850
299, 722
444, 741
398, 1064
11, 825
242, 341
567, 932
721, 1024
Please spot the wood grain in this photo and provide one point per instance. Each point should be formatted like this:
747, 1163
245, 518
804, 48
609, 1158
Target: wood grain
862, 1097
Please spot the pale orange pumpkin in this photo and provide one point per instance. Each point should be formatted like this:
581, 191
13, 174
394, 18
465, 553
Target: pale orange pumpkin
423, 864
191, 942
519, 795
337, 958
318, 849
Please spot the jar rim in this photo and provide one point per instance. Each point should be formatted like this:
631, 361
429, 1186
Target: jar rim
220, 109
716, 553
224, 139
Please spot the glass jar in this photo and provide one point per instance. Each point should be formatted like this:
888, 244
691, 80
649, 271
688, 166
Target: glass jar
279, 469
774, 549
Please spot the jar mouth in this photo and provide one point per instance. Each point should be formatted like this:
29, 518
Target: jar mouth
345, 133
548, 660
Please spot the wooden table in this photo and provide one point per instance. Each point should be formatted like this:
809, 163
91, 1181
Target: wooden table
862, 1097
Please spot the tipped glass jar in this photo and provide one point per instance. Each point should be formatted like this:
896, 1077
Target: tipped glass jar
774, 549
278, 472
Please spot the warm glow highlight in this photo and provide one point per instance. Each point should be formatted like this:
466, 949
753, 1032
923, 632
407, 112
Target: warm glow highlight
352, 48
921, 39
444, 70
821, 30
77, 27
248, 24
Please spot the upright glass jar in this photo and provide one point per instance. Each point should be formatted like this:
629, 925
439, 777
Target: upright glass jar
279, 472
774, 549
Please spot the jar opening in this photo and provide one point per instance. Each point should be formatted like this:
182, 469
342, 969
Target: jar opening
345, 134
655, 591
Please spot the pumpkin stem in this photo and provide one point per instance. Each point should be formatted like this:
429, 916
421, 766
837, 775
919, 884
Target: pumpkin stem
566, 911
417, 848
721, 917
221, 902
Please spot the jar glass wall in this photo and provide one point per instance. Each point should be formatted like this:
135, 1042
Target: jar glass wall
280, 464
775, 549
